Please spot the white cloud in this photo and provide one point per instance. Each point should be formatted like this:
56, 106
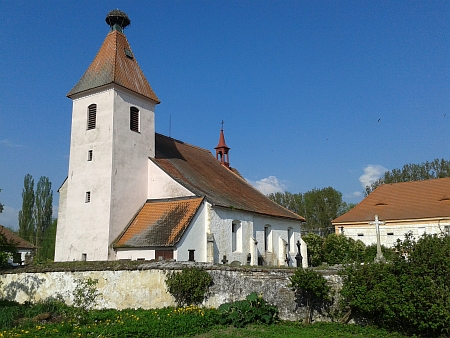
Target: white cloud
268, 185
371, 174
355, 194
10, 144
10, 217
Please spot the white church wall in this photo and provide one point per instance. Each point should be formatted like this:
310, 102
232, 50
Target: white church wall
252, 238
270, 248
115, 178
86, 224
61, 238
221, 220
161, 185
135, 254
194, 238
131, 151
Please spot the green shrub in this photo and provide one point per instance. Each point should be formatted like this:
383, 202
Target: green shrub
315, 248
338, 249
410, 293
190, 286
254, 309
311, 289
371, 252
85, 297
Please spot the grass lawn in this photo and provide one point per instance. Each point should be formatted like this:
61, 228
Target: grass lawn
55, 319
289, 329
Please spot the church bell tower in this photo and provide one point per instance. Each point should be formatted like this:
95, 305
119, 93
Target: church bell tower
112, 137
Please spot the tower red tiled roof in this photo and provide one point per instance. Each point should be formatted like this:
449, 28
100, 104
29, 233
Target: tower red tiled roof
115, 63
403, 201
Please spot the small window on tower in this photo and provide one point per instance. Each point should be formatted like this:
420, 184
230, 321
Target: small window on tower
88, 197
92, 116
134, 119
90, 155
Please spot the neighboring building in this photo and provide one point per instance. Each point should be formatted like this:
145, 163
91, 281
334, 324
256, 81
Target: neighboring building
134, 194
25, 250
418, 206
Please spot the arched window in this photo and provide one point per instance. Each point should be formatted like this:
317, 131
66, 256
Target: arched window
134, 119
92, 116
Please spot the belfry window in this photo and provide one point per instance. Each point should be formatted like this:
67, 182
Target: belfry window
92, 116
89, 157
88, 197
134, 119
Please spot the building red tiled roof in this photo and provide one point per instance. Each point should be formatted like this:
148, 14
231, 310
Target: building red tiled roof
159, 223
115, 63
200, 172
403, 201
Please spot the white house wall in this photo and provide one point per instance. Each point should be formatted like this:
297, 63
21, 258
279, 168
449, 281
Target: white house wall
161, 185
391, 231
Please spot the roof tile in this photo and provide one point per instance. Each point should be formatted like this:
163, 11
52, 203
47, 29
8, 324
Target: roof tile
406, 200
112, 65
200, 172
159, 223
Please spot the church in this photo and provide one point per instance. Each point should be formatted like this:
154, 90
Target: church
132, 193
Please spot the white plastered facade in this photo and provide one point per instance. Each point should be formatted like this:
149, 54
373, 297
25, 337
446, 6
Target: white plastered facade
390, 231
116, 178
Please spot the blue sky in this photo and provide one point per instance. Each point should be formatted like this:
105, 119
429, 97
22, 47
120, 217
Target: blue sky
313, 93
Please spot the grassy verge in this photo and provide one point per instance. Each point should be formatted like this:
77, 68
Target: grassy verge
54, 319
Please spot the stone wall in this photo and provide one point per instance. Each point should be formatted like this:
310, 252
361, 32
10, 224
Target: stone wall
143, 286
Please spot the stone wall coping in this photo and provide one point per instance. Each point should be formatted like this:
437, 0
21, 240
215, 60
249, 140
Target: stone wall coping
121, 265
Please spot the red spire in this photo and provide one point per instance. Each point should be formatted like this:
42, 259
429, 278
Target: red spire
222, 150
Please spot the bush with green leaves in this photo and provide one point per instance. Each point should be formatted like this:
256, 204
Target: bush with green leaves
311, 289
338, 249
85, 297
254, 309
189, 286
371, 252
315, 248
411, 293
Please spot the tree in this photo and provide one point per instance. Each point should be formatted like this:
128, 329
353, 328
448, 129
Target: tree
47, 249
413, 172
43, 209
26, 221
1, 205
318, 206
35, 218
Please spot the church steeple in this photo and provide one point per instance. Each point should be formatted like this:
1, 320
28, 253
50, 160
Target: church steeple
222, 150
115, 63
